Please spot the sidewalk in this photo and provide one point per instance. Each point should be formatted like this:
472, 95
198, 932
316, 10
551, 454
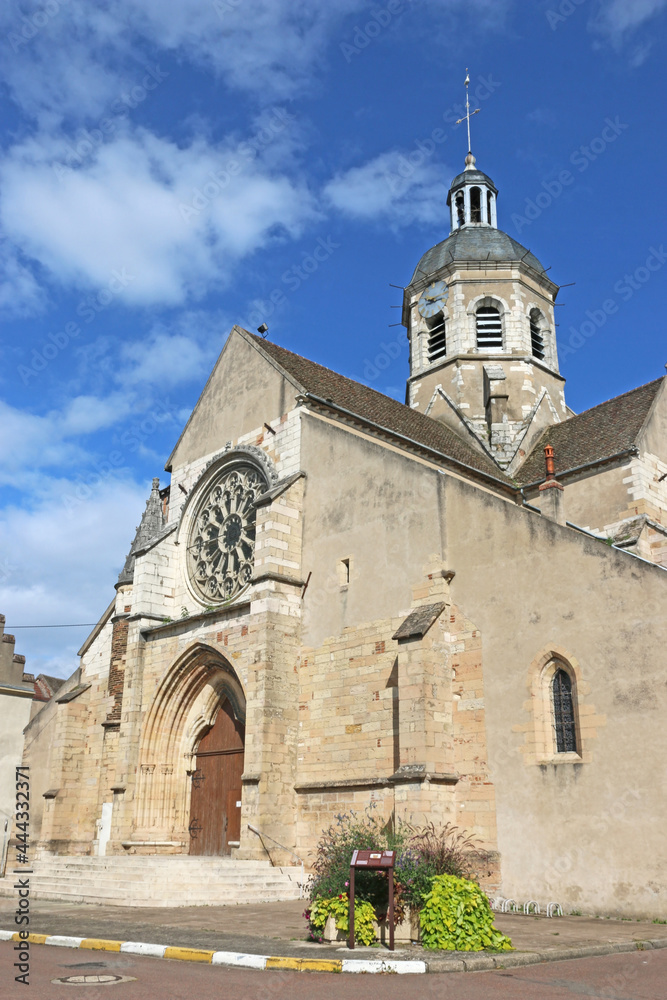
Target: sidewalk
279, 929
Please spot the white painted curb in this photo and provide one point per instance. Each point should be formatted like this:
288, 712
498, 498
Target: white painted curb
239, 960
139, 948
360, 965
61, 941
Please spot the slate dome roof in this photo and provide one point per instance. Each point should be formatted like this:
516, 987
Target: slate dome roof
471, 177
474, 243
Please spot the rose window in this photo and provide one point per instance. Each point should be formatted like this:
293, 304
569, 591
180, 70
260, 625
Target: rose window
222, 538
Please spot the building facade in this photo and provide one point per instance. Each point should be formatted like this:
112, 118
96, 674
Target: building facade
341, 599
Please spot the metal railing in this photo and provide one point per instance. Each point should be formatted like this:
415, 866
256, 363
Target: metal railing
265, 836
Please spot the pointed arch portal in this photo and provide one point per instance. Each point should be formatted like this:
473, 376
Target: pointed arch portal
215, 799
192, 756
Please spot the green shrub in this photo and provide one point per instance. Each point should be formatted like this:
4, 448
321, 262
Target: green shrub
421, 854
334, 854
456, 916
339, 908
429, 851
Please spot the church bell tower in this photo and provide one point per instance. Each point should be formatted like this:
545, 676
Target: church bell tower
479, 311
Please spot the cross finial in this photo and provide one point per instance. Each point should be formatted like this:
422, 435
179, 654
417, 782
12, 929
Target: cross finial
468, 116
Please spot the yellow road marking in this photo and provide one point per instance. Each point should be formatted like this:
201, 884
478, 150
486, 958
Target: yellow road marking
306, 964
189, 954
97, 944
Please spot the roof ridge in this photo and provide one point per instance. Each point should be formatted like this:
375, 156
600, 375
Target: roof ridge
444, 440
355, 381
302, 357
612, 399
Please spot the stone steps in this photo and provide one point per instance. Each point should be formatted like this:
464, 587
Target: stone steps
173, 880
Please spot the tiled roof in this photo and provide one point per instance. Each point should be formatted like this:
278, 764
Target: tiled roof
379, 409
595, 434
46, 687
474, 243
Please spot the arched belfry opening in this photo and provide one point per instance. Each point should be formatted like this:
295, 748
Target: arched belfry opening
192, 757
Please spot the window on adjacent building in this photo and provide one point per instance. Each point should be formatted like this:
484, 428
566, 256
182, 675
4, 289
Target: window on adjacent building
489, 328
475, 204
563, 710
536, 334
437, 338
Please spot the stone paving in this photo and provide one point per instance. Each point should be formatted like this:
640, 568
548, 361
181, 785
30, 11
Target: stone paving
279, 928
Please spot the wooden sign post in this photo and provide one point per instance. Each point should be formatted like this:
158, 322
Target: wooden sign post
383, 860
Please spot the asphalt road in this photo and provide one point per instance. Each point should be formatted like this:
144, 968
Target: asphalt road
632, 976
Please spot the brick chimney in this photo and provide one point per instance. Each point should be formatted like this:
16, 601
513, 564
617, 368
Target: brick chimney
551, 492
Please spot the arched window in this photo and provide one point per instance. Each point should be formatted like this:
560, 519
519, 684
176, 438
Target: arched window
437, 340
489, 328
536, 334
460, 208
563, 712
489, 212
475, 204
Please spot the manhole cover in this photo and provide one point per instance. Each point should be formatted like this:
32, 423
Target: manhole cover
102, 979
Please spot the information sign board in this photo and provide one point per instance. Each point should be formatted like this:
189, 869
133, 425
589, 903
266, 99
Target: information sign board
378, 861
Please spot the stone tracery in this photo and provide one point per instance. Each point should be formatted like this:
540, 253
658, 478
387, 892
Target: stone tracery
222, 538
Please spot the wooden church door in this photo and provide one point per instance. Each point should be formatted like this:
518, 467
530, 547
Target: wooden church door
215, 802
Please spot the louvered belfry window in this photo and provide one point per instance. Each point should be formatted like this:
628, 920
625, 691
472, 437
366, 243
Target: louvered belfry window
564, 723
437, 340
489, 327
536, 338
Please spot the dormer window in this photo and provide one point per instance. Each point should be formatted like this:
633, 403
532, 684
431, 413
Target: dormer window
489, 328
537, 334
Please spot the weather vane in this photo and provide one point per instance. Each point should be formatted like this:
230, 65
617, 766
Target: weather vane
467, 115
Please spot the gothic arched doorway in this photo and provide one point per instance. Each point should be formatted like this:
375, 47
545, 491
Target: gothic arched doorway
215, 799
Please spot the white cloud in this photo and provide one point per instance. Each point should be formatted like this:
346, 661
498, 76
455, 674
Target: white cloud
170, 356
20, 294
83, 56
60, 563
31, 442
617, 19
398, 187
170, 220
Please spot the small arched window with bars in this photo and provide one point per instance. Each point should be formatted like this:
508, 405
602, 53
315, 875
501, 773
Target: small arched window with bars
537, 335
489, 328
563, 708
437, 339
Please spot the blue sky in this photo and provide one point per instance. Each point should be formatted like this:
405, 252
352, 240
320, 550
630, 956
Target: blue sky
169, 169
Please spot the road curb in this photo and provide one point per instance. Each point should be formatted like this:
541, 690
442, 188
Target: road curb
240, 960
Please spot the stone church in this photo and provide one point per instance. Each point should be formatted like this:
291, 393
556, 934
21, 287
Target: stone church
454, 608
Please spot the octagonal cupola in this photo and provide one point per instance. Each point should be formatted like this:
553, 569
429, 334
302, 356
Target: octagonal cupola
472, 198
479, 313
